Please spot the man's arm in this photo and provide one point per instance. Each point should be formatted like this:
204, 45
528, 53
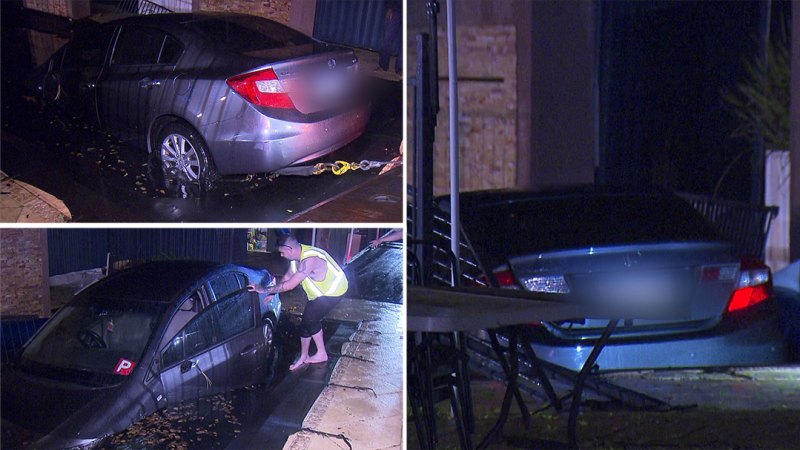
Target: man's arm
394, 235
291, 281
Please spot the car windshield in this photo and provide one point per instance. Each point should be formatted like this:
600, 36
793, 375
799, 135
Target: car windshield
579, 221
247, 34
93, 340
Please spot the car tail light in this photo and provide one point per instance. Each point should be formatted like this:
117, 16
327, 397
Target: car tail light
551, 284
754, 285
261, 88
505, 278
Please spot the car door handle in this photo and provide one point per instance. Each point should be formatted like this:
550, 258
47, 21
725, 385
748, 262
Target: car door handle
249, 350
148, 82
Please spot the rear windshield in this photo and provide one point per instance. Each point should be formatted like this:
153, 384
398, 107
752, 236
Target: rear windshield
573, 222
247, 34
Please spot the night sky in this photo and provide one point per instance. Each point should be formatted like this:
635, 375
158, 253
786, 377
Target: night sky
663, 66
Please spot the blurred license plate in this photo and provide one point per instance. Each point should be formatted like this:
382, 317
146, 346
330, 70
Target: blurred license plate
641, 294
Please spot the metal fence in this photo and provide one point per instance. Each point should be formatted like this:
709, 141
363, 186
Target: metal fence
357, 23
141, 7
741, 223
15, 332
70, 250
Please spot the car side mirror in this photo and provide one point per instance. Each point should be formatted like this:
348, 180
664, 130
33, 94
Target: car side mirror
186, 366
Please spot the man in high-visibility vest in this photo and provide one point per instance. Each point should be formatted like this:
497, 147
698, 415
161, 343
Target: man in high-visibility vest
324, 283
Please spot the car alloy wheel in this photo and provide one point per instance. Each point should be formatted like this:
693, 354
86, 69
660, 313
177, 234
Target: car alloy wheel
183, 156
180, 156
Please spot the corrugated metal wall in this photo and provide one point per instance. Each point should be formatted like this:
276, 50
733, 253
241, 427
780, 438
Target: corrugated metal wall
70, 250
357, 23
79, 249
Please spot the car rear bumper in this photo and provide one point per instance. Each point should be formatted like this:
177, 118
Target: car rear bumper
255, 143
753, 342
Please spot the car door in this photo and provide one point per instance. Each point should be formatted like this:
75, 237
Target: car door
242, 340
136, 79
220, 349
73, 75
183, 358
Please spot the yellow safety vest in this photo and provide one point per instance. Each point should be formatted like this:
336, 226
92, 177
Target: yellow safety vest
333, 285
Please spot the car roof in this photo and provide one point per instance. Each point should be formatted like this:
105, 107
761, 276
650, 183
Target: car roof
493, 197
158, 281
178, 18
502, 224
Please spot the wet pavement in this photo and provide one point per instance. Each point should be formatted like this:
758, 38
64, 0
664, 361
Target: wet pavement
749, 407
364, 400
101, 179
378, 199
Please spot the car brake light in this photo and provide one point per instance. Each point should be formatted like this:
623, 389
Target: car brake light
505, 278
261, 88
754, 285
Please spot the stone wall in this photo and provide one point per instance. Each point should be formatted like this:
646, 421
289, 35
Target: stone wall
277, 10
24, 273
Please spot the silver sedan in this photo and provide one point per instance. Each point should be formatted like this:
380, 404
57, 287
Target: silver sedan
211, 94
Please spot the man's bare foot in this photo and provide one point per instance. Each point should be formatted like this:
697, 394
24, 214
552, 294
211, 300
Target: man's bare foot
317, 358
299, 363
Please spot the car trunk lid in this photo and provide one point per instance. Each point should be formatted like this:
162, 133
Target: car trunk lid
671, 274
318, 81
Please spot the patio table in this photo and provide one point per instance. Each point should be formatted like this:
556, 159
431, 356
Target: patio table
460, 309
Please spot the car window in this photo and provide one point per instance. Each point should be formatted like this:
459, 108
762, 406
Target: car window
143, 46
578, 221
196, 337
186, 312
227, 283
80, 54
235, 314
222, 320
88, 49
243, 34
170, 51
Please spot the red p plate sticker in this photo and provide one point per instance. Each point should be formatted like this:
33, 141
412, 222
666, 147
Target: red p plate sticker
124, 367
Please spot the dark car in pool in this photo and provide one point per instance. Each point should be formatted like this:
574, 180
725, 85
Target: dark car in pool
596, 245
210, 94
135, 342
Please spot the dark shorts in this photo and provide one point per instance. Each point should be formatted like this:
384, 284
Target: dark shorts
314, 312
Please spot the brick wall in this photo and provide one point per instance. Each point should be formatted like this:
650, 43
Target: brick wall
74, 9
487, 90
277, 10
24, 273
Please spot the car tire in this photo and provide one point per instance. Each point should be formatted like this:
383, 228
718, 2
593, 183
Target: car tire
50, 89
268, 332
184, 156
